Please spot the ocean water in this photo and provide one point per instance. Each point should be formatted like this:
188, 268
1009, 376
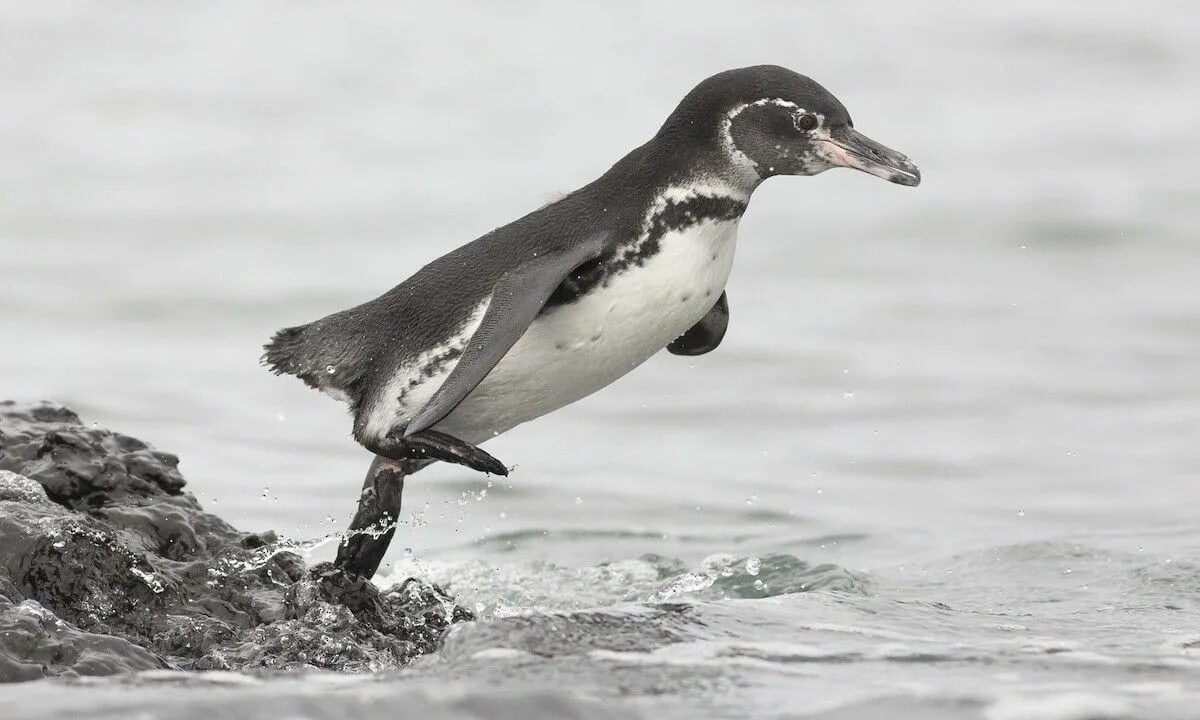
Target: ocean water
945, 463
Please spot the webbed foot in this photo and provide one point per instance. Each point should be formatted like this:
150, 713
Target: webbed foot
434, 445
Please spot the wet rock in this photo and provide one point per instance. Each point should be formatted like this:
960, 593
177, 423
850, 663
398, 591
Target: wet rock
19, 488
107, 565
34, 639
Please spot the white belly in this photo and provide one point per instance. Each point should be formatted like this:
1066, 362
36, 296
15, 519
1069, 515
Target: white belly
580, 347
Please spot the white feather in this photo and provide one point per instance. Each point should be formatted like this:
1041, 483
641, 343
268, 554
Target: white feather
408, 390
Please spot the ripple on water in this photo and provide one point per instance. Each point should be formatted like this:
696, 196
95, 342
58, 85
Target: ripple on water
504, 591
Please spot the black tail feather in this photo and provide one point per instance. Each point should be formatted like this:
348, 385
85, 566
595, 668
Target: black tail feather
282, 352
324, 355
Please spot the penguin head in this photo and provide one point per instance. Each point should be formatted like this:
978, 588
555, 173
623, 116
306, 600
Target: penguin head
766, 120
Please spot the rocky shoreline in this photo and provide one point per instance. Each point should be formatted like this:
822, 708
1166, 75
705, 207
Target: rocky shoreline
107, 566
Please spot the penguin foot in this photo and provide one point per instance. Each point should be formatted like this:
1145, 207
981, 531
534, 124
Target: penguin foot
434, 445
364, 544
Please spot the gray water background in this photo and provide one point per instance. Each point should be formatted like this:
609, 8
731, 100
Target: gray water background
976, 402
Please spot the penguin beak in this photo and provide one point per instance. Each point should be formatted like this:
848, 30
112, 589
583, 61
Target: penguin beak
847, 147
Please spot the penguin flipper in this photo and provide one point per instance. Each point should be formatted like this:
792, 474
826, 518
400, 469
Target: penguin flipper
517, 298
705, 335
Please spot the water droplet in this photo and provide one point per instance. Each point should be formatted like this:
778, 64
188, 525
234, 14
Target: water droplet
750, 500
1020, 513
578, 501
330, 369
753, 565
759, 585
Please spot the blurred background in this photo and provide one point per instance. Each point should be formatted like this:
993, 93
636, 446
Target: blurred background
1007, 354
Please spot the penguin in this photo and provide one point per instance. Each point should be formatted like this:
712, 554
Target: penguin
555, 305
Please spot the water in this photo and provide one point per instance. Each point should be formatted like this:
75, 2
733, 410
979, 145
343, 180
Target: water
956, 426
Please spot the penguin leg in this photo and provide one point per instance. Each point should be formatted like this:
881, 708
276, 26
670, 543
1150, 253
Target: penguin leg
371, 530
434, 445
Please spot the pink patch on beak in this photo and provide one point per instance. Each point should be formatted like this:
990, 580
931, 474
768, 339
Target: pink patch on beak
836, 154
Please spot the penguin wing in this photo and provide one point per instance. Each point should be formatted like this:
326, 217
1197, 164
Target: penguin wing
517, 298
705, 335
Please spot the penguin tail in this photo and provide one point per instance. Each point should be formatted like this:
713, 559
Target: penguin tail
311, 354
280, 355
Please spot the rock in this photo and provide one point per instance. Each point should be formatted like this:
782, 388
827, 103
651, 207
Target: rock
19, 488
107, 565
35, 640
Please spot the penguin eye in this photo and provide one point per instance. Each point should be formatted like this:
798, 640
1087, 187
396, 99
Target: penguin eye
806, 121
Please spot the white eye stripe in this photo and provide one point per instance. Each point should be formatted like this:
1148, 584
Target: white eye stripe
759, 103
797, 111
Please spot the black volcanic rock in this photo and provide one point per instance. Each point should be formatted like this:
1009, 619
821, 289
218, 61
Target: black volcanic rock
107, 566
